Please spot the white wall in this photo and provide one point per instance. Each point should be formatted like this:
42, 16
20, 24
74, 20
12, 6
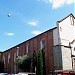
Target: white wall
66, 31
66, 58
63, 35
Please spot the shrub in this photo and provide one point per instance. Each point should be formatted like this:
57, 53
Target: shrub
40, 63
34, 61
23, 63
44, 66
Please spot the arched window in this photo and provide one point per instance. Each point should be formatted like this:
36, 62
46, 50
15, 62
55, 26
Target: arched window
14, 57
17, 53
8, 57
72, 20
27, 48
4, 58
42, 44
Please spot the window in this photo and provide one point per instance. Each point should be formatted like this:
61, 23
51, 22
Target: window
17, 51
14, 57
60, 29
8, 57
74, 48
4, 59
42, 44
15, 68
27, 48
72, 20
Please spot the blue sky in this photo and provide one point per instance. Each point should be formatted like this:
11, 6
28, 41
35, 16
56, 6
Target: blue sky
29, 18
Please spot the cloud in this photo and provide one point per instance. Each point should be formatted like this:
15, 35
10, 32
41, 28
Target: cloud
58, 3
33, 22
9, 34
36, 32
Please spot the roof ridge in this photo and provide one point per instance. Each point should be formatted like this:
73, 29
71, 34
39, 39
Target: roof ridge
65, 17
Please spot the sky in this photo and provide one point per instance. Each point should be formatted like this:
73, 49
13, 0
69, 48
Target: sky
21, 20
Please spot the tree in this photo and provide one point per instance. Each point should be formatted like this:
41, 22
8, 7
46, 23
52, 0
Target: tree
44, 65
1, 67
27, 63
23, 63
34, 61
20, 62
40, 63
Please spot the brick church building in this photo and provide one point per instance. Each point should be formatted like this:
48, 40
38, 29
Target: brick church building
58, 43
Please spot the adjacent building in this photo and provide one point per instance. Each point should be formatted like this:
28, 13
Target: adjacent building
64, 44
58, 44
0, 56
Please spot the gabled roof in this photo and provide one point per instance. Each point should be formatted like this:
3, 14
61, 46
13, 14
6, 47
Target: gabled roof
66, 17
31, 38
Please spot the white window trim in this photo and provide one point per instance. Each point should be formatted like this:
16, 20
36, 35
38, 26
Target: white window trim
41, 44
4, 59
14, 57
27, 48
72, 20
8, 57
17, 53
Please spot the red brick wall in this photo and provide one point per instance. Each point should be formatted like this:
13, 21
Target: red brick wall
34, 44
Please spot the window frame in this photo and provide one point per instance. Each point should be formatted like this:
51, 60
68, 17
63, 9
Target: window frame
14, 57
17, 53
72, 20
8, 57
42, 44
27, 48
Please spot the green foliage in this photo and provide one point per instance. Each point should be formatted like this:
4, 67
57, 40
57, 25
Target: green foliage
44, 66
23, 62
34, 60
40, 63
1, 67
26, 63
20, 62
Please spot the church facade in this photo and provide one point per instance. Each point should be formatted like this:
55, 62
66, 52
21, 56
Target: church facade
58, 43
